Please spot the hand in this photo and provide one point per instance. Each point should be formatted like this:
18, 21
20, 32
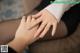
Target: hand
24, 33
47, 20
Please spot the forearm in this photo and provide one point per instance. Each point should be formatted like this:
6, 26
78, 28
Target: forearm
58, 7
18, 45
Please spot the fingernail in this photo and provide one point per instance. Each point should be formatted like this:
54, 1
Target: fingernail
52, 34
41, 36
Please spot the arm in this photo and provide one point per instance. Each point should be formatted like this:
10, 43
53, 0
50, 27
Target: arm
58, 7
50, 16
18, 45
23, 36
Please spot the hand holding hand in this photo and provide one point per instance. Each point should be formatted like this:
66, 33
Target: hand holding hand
24, 33
47, 20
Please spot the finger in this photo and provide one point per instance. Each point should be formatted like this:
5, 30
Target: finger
29, 19
32, 20
45, 31
36, 15
23, 19
35, 23
54, 29
40, 29
35, 39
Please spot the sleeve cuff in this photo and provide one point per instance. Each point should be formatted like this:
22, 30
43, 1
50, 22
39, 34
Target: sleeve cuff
57, 10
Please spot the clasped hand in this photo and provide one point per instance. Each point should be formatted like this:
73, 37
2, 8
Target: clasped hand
47, 20
29, 29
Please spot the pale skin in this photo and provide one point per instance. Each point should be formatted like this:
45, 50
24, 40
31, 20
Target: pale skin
14, 24
47, 20
24, 36
60, 31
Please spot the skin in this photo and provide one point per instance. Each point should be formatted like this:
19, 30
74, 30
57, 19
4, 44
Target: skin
7, 36
24, 36
47, 20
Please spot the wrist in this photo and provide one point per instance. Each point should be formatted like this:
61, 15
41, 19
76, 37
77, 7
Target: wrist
53, 16
18, 44
56, 9
21, 40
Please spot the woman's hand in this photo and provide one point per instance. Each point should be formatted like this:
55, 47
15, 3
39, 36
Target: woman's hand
24, 36
47, 20
24, 33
